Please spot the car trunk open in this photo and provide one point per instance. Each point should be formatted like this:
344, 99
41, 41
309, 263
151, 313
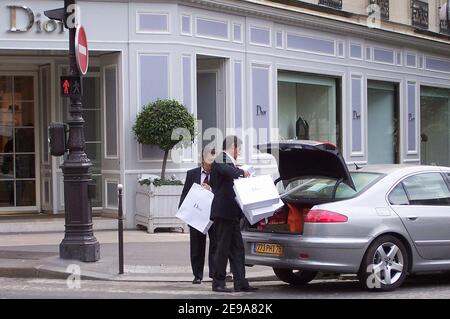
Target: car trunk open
302, 159
305, 158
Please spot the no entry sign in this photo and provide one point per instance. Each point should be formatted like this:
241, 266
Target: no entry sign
81, 50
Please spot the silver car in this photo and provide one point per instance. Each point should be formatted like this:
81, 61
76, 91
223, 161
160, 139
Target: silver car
379, 222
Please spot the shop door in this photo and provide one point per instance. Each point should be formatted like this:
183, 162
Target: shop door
211, 98
111, 97
435, 126
382, 105
19, 189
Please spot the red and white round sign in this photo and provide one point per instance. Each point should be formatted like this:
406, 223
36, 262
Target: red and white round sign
81, 50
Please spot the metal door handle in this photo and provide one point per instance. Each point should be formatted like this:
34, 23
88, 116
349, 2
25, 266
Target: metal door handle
413, 218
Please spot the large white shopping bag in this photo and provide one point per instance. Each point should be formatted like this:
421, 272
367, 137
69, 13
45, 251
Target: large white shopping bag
256, 192
258, 214
196, 208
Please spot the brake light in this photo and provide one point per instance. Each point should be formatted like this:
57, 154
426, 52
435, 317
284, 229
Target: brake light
324, 216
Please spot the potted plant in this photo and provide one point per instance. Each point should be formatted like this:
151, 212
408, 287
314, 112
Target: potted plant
157, 197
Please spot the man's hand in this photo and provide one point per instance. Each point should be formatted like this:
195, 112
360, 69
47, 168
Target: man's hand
246, 174
206, 186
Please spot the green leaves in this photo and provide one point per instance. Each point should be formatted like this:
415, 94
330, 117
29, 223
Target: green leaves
165, 123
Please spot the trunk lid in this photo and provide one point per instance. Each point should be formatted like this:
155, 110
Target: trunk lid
306, 158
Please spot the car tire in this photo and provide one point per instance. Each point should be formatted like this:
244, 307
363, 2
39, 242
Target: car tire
385, 265
295, 277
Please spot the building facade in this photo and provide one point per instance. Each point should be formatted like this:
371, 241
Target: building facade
375, 80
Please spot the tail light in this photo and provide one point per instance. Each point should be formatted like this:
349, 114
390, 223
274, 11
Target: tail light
324, 216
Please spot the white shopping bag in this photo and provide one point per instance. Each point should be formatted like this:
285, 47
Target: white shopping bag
256, 192
196, 208
258, 214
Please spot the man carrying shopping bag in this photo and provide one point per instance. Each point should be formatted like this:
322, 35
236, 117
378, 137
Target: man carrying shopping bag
200, 175
226, 214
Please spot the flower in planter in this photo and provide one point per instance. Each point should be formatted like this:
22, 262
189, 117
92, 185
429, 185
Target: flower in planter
158, 124
148, 180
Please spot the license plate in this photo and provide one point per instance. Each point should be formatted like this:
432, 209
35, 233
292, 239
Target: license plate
268, 249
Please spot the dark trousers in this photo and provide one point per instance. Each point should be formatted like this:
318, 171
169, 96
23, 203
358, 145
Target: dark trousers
229, 245
198, 246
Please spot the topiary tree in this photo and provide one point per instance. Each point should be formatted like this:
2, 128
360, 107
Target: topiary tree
167, 124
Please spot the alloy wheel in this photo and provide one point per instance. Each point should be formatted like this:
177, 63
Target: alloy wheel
388, 263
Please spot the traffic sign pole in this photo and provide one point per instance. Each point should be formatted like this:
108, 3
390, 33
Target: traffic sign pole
79, 242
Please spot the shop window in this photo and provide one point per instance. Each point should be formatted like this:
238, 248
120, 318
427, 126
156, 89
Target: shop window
17, 142
435, 126
383, 122
309, 107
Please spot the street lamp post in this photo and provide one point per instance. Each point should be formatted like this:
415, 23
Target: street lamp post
79, 242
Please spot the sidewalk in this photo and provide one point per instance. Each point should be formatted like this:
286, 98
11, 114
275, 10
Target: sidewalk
159, 257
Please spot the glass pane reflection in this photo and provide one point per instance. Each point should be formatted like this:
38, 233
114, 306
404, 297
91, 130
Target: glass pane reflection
25, 166
5, 94
23, 88
24, 140
6, 193
26, 193
24, 114
6, 140
6, 166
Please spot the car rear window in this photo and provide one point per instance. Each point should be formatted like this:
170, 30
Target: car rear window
324, 188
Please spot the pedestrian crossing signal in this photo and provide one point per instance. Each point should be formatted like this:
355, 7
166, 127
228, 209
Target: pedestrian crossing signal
71, 86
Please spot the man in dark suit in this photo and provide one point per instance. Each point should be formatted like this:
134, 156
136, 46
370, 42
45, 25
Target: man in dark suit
226, 214
200, 175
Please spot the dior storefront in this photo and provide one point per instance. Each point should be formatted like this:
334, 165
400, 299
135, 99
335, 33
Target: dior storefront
380, 96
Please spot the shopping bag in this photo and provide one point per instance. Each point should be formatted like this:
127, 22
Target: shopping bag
258, 214
256, 192
196, 208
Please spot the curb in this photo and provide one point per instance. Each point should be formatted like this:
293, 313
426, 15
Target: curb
46, 272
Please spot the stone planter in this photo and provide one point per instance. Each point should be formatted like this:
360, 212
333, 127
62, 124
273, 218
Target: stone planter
156, 207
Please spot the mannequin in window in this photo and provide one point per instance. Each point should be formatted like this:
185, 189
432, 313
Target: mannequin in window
302, 129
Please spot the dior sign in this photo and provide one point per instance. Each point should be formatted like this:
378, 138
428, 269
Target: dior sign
31, 20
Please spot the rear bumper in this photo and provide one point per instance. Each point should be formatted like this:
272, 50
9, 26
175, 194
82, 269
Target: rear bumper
326, 254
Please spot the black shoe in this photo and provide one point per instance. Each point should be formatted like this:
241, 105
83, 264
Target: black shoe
246, 289
196, 281
222, 289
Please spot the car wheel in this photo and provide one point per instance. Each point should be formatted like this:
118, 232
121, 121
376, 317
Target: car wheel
385, 265
295, 277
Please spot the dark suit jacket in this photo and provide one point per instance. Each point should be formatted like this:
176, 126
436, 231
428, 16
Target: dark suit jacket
223, 174
192, 176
